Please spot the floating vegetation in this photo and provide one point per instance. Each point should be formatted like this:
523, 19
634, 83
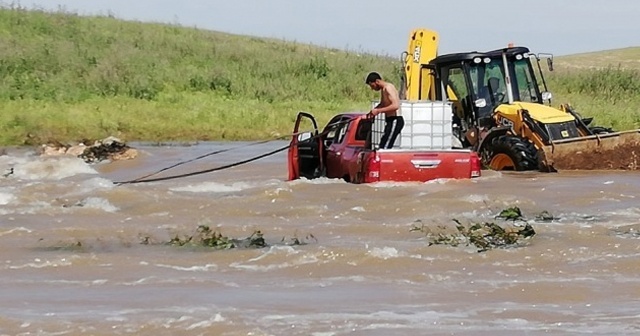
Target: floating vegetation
512, 214
206, 237
74, 246
484, 236
515, 214
546, 216
203, 237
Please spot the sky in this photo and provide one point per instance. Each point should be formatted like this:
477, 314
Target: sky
559, 27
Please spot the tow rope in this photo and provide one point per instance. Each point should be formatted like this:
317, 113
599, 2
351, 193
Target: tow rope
145, 179
191, 160
140, 180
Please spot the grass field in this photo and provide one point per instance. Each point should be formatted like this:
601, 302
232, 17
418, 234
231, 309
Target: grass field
67, 77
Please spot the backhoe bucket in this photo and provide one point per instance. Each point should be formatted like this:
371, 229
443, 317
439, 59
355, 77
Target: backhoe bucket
608, 151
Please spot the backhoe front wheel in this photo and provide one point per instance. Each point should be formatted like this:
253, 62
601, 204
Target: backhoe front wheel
507, 152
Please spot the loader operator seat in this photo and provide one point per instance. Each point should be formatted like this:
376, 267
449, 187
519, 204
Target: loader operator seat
493, 85
491, 95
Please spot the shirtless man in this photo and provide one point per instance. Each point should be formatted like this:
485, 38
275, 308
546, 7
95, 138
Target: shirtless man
389, 105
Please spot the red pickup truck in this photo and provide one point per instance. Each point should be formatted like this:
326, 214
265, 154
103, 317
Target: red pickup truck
346, 148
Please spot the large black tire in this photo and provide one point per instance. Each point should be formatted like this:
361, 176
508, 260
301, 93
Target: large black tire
507, 152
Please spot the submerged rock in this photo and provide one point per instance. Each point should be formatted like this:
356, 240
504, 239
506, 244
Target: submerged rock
110, 148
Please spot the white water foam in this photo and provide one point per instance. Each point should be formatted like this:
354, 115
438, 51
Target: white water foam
95, 184
38, 263
320, 180
385, 253
217, 318
195, 268
476, 198
98, 203
50, 168
83, 283
32, 208
391, 184
441, 181
262, 263
215, 187
18, 229
6, 197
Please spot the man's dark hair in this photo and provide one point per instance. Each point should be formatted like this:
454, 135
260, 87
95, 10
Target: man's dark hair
372, 77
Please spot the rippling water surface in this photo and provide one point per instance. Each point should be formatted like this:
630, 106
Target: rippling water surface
72, 262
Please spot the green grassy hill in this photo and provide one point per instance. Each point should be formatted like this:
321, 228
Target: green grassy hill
604, 85
67, 77
627, 58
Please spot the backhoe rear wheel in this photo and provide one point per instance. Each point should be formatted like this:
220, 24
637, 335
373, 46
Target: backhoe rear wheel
507, 152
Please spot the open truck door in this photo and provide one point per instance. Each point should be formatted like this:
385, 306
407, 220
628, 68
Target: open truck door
305, 150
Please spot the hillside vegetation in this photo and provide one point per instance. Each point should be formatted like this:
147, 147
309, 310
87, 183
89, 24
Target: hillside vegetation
67, 77
604, 85
626, 58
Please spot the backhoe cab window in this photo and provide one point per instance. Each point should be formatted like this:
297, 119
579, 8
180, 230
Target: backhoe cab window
525, 81
457, 83
492, 87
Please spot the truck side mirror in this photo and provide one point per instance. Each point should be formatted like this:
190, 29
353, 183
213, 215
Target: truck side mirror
550, 63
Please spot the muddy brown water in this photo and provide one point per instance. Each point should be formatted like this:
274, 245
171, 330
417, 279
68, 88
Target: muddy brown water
71, 262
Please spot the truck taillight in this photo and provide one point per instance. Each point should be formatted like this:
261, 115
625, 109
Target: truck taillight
372, 173
475, 165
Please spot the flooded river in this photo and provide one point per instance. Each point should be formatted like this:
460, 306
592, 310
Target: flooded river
72, 260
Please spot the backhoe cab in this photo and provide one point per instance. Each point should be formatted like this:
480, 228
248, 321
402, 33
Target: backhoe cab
503, 112
485, 88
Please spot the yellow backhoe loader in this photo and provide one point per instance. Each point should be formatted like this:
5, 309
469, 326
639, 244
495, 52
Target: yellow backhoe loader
505, 114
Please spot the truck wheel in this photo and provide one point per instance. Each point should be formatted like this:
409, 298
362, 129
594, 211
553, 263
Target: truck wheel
510, 153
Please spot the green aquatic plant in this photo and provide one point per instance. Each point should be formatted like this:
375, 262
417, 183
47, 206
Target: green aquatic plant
204, 236
512, 213
490, 235
482, 235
